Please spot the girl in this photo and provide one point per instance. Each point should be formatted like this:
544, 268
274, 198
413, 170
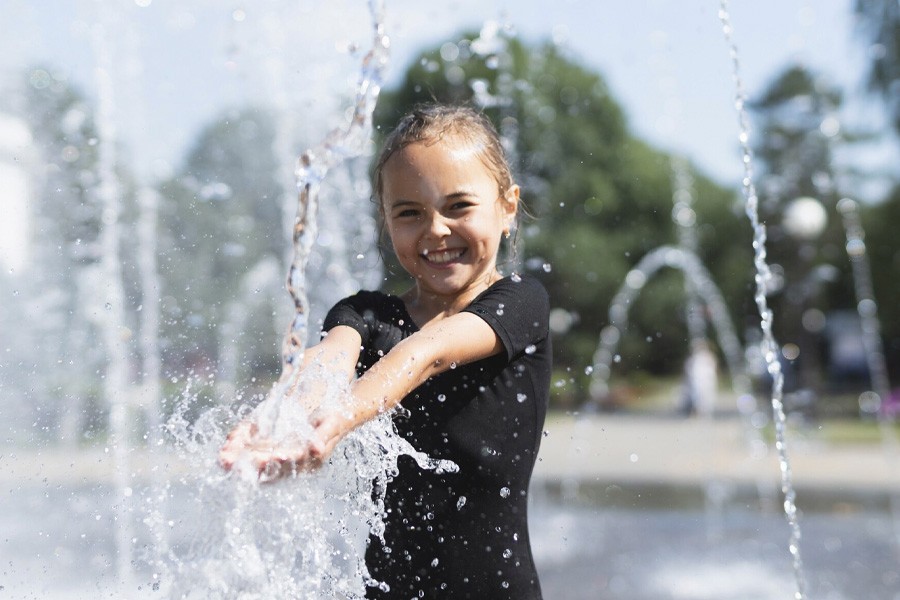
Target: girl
465, 351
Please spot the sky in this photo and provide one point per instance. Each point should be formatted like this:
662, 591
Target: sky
178, 64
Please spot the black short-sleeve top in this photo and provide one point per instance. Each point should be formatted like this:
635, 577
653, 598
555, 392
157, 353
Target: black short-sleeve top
464, 534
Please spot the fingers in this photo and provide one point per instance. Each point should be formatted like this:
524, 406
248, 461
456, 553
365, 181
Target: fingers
238, 439
246, 452
280, 464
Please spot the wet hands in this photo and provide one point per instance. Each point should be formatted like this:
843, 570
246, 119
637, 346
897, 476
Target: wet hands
250, 452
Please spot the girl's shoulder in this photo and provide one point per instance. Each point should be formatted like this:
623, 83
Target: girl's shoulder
369, 308
372, 300
522, 288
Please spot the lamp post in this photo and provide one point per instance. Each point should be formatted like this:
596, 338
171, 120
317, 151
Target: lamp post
805, 219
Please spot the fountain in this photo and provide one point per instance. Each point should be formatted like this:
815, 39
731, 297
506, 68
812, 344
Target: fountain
197, 533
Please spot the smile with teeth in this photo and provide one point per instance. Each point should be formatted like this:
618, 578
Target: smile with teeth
442, 256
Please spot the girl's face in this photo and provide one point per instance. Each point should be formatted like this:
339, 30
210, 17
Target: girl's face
445, 217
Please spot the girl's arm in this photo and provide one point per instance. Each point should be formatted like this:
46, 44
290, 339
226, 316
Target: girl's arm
460, 339
338, 352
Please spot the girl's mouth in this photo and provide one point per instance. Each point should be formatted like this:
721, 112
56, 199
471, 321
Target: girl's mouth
440, 257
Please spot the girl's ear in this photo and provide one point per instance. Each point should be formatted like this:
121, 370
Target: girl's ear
511, 201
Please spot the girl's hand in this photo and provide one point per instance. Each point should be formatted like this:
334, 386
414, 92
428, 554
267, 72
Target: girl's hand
240, 440
271, 461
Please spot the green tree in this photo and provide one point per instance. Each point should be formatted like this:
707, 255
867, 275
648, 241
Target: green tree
601, 197
220, 216
880, 28
879, 221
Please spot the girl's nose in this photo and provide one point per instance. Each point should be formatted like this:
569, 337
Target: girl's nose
438, 227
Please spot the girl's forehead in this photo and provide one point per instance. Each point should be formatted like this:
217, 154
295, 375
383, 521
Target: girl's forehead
450, 144
446, 152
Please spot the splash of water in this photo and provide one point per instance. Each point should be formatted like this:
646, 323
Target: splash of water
299, 538
763, 281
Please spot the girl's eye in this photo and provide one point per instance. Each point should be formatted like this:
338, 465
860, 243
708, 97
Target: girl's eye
406, 213
462, 204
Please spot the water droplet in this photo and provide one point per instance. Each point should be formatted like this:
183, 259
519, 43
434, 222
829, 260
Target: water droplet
547, 267
500, 309
108, 306
617, 358
521, 397
434, 562
461, 502
507, 553
530, 349
400, 322
504, 492
453, 365
504, 584
516, 277
360, 256
441, 397
588, 370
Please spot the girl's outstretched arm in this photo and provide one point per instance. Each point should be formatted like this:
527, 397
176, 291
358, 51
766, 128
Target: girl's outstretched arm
338, 352
456, 340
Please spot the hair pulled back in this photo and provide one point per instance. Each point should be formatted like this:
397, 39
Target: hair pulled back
430, 123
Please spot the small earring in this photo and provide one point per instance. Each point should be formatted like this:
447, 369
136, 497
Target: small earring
506, 234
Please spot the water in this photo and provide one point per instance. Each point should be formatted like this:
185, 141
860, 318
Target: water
763, 279
111, 294
665, 554
216, 541
868, 314
701, 283
228, 536
54, 547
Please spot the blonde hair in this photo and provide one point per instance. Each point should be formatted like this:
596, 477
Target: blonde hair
429, 123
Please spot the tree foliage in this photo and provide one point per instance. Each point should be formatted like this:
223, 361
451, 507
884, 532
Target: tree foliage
221, 216
880, 28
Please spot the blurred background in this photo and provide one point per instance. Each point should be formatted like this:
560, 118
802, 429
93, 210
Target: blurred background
147, 151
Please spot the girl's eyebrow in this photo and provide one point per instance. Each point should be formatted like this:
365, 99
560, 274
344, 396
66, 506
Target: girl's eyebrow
460, 195
403, 202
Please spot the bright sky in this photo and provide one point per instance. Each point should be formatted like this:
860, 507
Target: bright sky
179, 63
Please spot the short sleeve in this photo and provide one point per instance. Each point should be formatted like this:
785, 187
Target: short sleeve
518, 310
380, 320
351, 312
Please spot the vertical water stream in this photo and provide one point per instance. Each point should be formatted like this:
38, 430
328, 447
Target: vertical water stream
114, 333
763, 280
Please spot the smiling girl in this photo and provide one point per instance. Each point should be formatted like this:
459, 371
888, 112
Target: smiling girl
466, 353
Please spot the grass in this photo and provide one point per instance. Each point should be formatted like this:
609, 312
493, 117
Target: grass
835, 417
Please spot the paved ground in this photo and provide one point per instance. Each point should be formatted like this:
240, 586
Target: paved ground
603, 449
693, 451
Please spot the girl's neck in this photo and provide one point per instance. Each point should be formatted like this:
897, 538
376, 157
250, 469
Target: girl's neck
425, 307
